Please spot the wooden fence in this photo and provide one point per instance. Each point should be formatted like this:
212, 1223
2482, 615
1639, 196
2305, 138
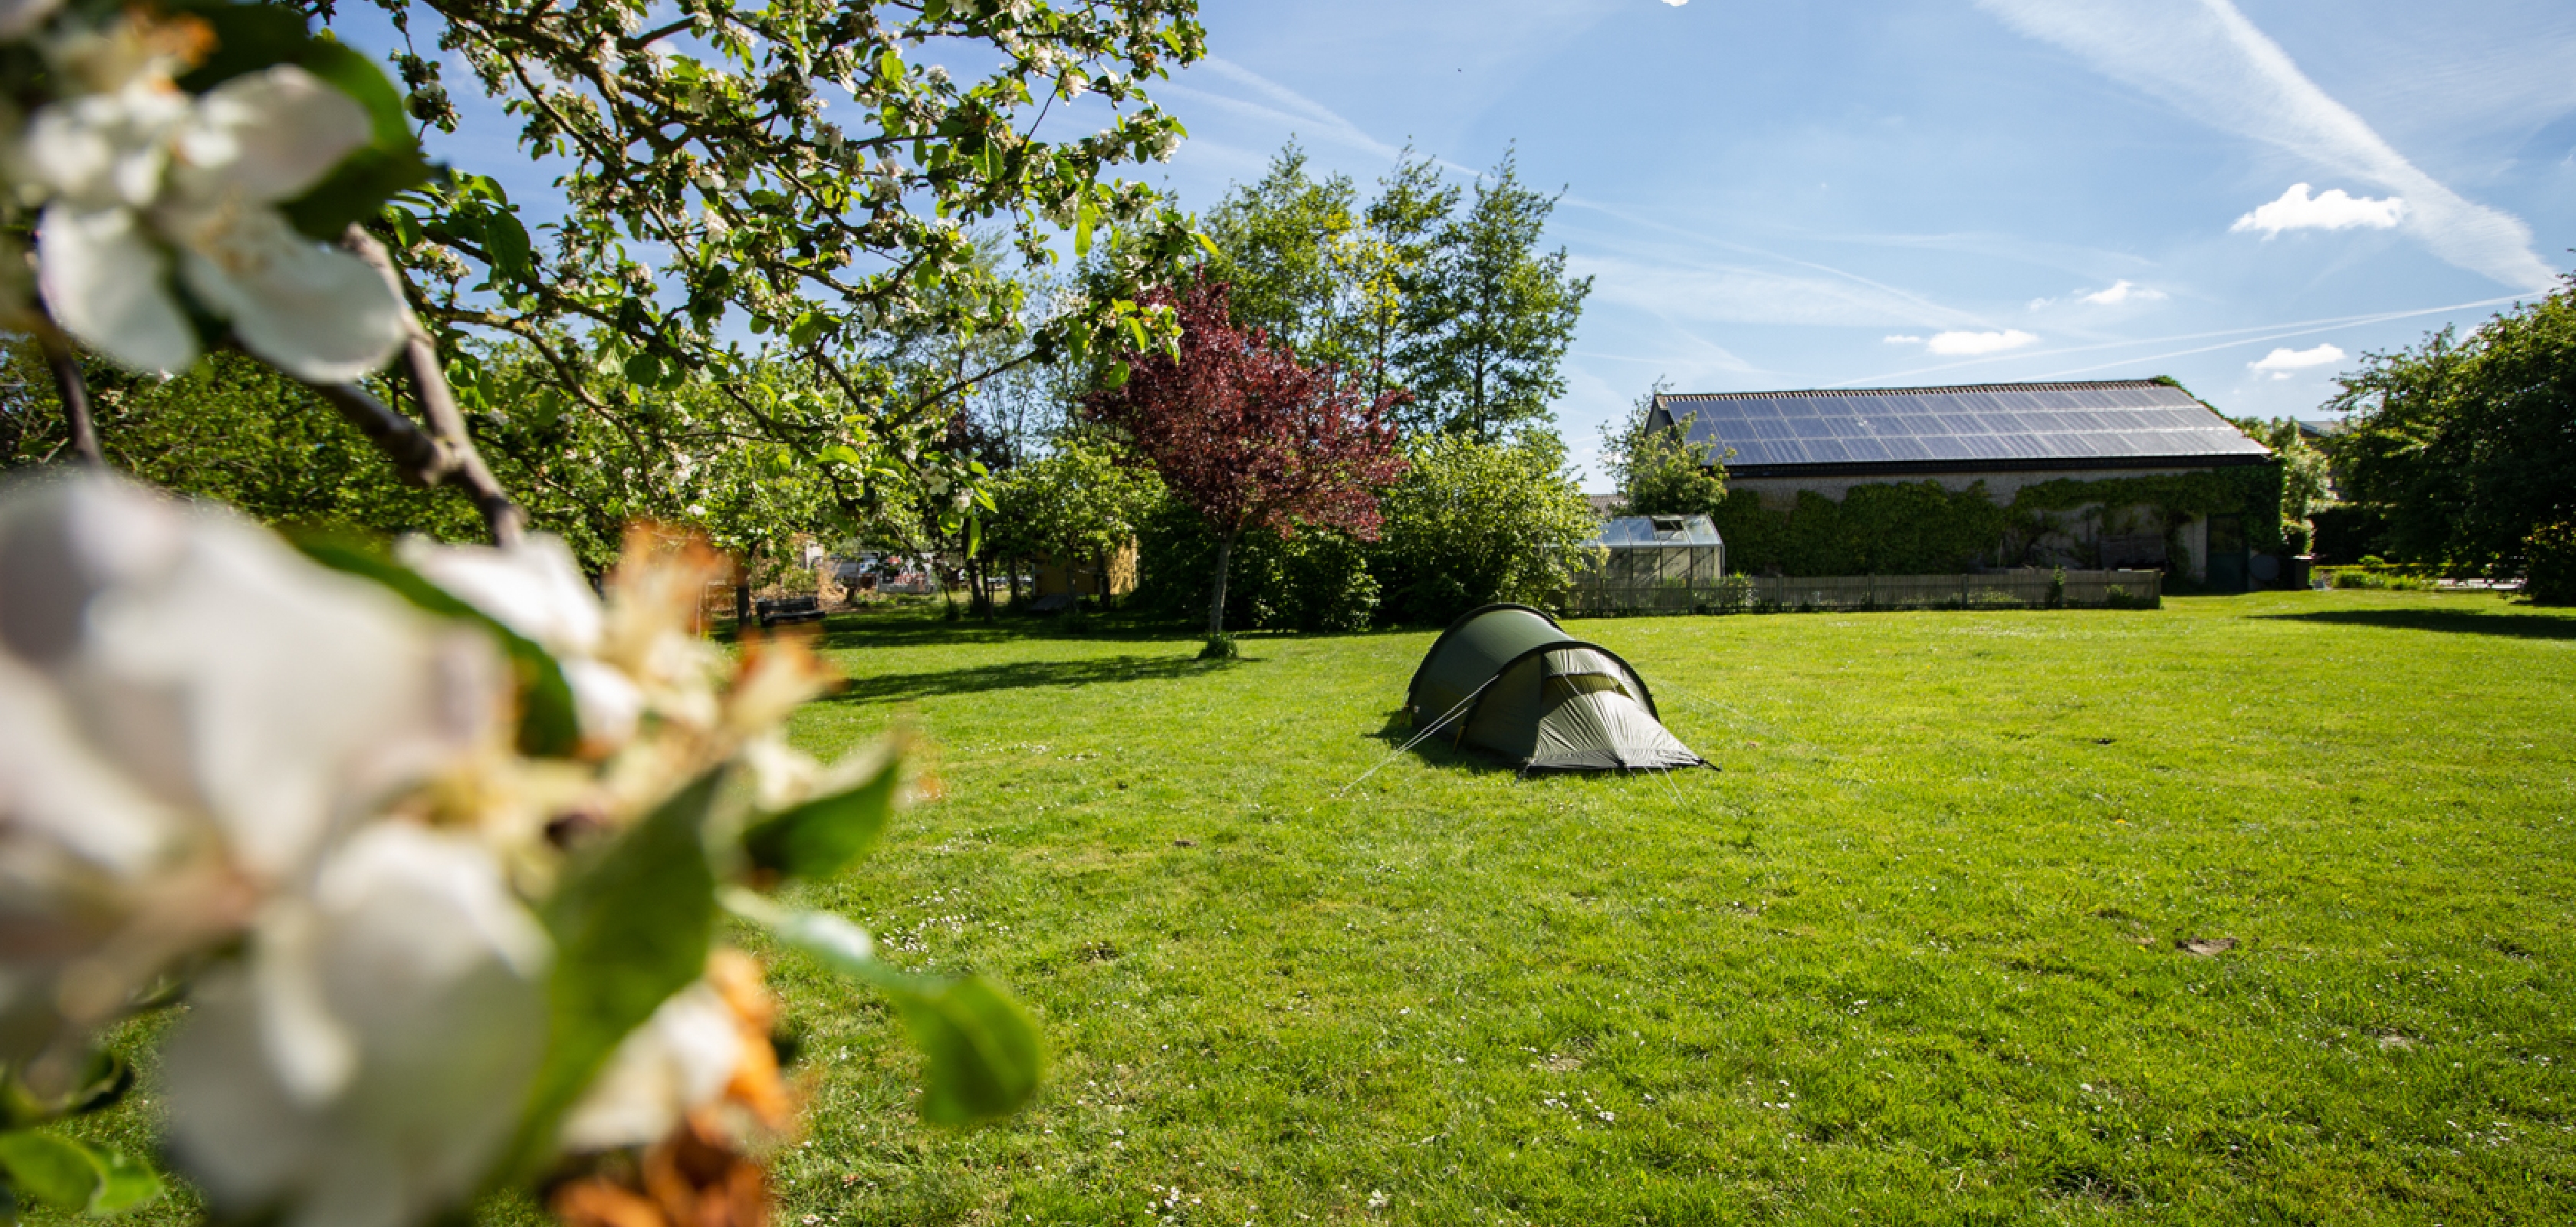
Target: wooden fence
1794, 594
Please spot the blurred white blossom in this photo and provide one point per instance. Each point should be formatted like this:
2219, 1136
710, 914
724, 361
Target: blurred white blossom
535, 588
190, 712
134, 169
366, 1065
680, 1059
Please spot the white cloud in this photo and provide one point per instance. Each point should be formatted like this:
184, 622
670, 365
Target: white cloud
1905, 340
2334, 210
1676, 3
1970, 343
2284, 362
2122, 291
2206, 60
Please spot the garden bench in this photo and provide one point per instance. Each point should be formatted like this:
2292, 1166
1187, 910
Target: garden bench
789, 609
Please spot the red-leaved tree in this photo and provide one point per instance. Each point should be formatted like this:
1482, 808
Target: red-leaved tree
1249, 437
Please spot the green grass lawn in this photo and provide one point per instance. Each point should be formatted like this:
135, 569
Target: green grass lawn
1911, 956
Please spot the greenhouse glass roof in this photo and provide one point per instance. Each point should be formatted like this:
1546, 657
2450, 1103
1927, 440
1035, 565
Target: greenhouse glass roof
1633, 532
2114, 424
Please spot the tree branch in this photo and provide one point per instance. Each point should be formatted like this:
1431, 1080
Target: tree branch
452, 456
417, 457
79, 430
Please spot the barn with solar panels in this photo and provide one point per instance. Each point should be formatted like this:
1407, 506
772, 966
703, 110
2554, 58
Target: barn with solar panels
2021, 445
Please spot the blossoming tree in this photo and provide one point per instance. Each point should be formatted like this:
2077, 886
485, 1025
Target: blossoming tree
439, 843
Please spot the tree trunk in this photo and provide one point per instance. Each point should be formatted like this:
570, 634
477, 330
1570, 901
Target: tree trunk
1011, 576
1216, 606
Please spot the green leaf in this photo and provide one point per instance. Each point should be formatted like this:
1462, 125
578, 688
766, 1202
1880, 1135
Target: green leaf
549, 725
354, 191
506, 242
631, 927
54, 1170
125, 1182
980, 1051
73, 1175
104, 1079
821, 837
1083, 219
807, 327
645, 369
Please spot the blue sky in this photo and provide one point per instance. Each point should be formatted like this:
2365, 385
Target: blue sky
1769, 195
1790, 195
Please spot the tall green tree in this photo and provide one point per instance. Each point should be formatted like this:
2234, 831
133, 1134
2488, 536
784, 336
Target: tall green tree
1280, 244
1496, 315
2467, 445
1658, 470
1386, 270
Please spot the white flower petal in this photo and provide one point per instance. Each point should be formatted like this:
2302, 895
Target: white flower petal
534, 588
107, 284
607, 702
679, 1059
314, 1055
437, 974
223, 674
100, 150
318, 313
269, 136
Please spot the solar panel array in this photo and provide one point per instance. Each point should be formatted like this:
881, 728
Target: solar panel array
2009, 425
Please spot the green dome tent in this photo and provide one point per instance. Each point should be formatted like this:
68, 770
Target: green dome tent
1507, 680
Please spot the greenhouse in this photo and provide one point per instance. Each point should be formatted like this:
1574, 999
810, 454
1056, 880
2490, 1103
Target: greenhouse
1663, 564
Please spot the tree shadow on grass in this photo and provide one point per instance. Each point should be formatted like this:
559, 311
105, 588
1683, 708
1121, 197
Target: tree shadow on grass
2445, 621
905, 629
1021, 675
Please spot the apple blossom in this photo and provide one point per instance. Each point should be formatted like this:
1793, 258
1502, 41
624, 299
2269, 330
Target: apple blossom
134, 170
368, 1063
190, 713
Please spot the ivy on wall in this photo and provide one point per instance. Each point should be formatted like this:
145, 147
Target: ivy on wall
1916, 528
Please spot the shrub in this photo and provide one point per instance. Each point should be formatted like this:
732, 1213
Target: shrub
2379, 578
1317, 580
2549, 561
1474, 523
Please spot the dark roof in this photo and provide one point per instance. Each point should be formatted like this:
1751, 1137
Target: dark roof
2118, 424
